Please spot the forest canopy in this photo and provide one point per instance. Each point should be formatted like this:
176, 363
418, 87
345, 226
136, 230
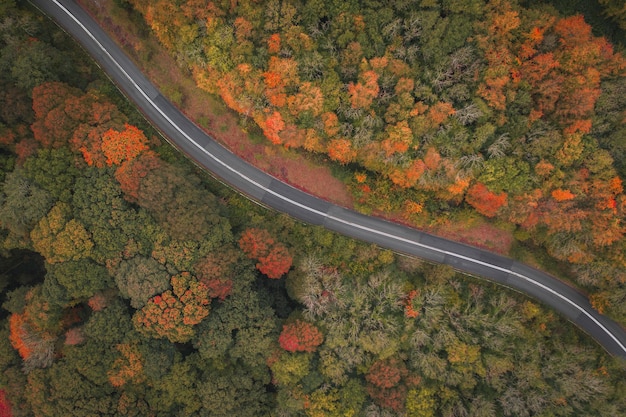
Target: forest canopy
133, 284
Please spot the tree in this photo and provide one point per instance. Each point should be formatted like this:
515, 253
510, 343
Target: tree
241, 329
273, 257
420, 402
140, 278
36, 348
119, 147
341, 150
58, 237
53, 170
82, 278
363, 93
174, 313
273, 125
300, 336
615, 10
234, 391
22, 203
484, 201
170, 194
128, 367
385, 383
217, 271
276, 263
132, 172
59, 110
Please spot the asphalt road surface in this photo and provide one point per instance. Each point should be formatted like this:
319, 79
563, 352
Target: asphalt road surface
269, 191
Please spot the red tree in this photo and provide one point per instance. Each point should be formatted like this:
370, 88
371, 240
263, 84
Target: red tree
276, 263
132, 172
484, 201
273, 258
385, 383
216, 271
300, 336
255, 243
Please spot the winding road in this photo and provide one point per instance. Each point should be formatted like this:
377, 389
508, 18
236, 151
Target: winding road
269, 191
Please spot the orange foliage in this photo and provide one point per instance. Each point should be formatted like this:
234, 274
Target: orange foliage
440, 112
127, 368
432, 159
215, 271
484, 201
340, 150
492, 90
385, 383
615, 185
98, 302
409, 310
18, 335
272, 79
544, 168
378, 64
273, 43
404, 85
276, 263
363, 93
582, 126
537, 68
412, 207
219, 288
243, 29
309, 98
562, 195
119, 147
459, 186
255, 242
331, 124
174, 313
399, 137
272, 127
25, 148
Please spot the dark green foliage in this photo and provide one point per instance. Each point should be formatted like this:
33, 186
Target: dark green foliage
54, 171
22, 203
234, 391
81, 279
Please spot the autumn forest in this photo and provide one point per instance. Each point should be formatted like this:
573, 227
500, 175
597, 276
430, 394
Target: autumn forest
135, 284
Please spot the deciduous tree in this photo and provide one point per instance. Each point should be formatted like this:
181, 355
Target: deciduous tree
174, 313
300, 336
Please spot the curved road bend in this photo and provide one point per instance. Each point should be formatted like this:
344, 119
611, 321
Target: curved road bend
266, 189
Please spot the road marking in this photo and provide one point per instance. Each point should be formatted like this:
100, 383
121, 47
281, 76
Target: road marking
346, 222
